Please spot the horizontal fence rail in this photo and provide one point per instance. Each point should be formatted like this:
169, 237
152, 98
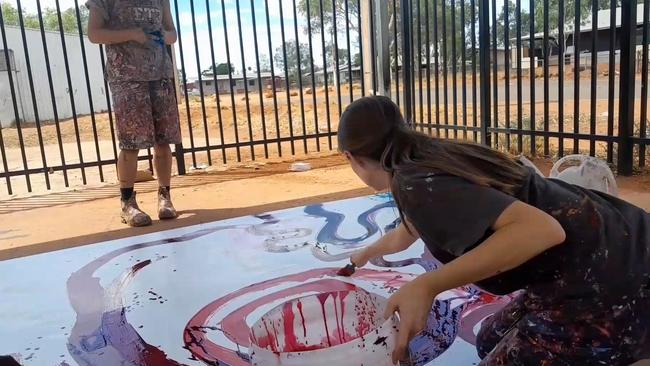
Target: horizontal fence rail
269, 79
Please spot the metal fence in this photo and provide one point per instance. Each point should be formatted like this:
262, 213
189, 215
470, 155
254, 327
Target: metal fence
556, 77
263, 79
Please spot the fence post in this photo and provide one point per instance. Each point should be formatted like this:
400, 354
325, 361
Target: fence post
382, 46
179, 151
407, 58
484, 62
627, 88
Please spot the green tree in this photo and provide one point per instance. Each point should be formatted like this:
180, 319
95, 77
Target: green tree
294, 65
342, 54
219, 69
50, 19
328, 18
265, 63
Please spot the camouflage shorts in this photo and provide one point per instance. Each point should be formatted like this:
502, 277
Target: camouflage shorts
146, 114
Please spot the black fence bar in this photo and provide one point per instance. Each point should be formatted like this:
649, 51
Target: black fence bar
594, 74
373, 47
259, 80
244, 74
495, 71
463, 60
272, 67
3, 154
454, 66
230, 82
533, 69
313, 77
644, 83
337, 72
200, 76
520, 102
349, 50
547, 59
32, 92
321, 16
560, 67
419, 60
436, 59
70, 90
576, 78
299, 58
286, 79
407, 55
474, 96
413, 84
149, 160
109, 112
363, 75
16, 113
506, 42
428, 56
216, 84
445, 95
84, 61
395, 57
484, 61
626, 88
188, 113
48, 69
611, 78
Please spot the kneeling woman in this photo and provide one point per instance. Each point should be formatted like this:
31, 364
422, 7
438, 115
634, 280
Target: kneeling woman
582, 257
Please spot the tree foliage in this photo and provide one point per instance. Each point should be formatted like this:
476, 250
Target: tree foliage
50, 19
219, 69
294, 63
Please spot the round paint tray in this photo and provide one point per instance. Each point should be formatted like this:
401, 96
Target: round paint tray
335, 328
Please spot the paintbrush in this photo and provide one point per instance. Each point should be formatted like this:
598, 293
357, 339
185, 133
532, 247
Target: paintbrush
348, 270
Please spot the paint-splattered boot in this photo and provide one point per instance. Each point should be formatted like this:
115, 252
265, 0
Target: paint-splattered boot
132, 215
166, 210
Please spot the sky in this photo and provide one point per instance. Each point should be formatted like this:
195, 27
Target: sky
201, 15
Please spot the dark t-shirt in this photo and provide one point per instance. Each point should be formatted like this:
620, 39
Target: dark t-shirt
607, 239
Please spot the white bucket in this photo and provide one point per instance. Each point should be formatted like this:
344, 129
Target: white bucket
336, 328
586, 172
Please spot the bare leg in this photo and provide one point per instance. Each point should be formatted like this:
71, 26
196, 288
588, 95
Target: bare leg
127, 168
163, 164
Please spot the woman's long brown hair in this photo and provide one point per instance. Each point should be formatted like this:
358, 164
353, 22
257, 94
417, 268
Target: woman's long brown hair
373, 127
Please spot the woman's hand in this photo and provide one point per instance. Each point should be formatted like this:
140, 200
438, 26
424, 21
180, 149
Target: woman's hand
360, 258
413, 303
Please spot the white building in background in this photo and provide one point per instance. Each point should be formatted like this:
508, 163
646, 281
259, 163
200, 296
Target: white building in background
59, 77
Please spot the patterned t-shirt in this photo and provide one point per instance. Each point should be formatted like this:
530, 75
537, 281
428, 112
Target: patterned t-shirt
132, 61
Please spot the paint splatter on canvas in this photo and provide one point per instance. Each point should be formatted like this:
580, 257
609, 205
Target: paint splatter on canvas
189, 296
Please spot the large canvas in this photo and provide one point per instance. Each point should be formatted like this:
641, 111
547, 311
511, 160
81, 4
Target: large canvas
189, 296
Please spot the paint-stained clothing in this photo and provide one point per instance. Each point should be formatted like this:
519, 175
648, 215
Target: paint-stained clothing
131, 61
140, 76
587, 299
146, 113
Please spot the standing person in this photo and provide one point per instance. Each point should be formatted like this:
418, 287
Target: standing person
140, 73
582, 257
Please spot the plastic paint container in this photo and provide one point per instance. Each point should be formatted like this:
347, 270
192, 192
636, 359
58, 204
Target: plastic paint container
300, 167
336, 328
